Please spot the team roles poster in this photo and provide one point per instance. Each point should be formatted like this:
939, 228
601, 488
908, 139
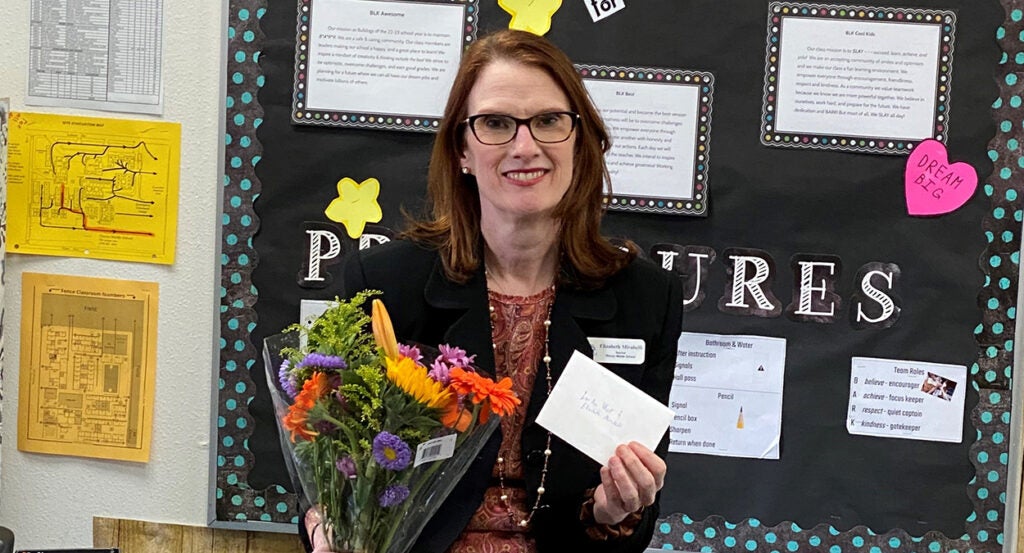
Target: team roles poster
912, 400
93, 187
88, 365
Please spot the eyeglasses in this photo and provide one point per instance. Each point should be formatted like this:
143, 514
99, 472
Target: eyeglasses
495, 129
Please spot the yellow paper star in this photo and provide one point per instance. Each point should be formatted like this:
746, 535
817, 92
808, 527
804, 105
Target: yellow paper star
531, 15
355, 205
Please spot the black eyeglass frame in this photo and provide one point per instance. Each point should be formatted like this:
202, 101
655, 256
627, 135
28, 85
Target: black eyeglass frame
521, 122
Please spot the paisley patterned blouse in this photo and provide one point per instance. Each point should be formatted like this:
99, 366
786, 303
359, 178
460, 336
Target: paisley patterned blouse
519, 335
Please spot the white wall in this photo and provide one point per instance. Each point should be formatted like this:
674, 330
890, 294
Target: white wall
49, 501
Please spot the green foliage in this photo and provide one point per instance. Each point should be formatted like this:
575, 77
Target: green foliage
342, 330
415, 422
361, 388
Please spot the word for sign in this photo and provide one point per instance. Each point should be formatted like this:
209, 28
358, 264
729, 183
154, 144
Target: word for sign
600, 9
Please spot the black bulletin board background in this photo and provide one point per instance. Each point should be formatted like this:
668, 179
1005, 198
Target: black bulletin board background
829, 489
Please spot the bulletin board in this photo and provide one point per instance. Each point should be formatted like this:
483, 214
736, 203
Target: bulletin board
784, 192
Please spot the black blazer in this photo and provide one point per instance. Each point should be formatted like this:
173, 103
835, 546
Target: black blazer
641, 301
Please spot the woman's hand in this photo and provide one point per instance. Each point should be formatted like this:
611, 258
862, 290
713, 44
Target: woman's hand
629, 481
317, 536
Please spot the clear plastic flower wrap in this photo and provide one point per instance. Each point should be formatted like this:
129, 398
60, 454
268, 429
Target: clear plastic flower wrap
375, 434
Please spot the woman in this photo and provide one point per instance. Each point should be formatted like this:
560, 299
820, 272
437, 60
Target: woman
511, 266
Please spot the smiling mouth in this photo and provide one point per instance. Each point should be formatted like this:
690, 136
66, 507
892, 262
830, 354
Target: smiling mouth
525, 175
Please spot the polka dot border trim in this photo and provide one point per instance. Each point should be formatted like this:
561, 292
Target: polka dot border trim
984, 526
235, 500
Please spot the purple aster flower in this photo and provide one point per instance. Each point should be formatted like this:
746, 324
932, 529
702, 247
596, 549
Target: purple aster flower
321, 361
391, 452
393, 495
456, 356
287, 380
439, 372
347, 467
412, 352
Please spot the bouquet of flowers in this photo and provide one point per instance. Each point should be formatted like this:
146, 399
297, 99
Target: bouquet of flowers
376, 435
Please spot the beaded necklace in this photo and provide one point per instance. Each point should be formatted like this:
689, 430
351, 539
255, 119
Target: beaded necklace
524, 522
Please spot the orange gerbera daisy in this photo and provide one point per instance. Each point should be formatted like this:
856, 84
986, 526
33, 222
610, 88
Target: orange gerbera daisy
296, 421
467, 382
496, 397
503, 400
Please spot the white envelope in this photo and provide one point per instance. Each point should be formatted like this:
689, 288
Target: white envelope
595, 410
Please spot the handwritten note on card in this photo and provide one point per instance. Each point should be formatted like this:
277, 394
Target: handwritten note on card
595, 410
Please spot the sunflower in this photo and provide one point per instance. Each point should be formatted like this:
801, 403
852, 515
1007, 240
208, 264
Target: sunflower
414, 380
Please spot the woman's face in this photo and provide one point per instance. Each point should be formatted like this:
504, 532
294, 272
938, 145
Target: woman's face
524, 178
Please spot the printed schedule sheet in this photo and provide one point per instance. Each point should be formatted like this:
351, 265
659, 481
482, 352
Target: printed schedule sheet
96, 54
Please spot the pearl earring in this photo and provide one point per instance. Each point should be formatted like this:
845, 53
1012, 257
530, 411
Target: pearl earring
465, 170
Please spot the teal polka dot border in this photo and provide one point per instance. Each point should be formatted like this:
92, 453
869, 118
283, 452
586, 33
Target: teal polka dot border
235, 500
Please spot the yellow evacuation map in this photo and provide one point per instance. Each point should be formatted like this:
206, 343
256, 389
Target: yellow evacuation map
88, 365
93, 187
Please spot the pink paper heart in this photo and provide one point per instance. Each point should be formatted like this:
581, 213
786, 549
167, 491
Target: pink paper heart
933, 185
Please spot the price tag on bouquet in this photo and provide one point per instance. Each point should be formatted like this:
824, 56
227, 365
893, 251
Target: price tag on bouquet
594, 410
435, 450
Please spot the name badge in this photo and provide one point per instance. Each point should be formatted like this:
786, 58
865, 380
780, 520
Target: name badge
624, 351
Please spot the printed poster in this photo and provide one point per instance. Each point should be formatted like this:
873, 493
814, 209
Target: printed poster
88, 366
377, 63
855, 79
659, 121
97, 54
93, 187
727, 395
914, 400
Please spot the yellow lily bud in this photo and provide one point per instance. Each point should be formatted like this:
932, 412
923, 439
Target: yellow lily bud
383, 332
